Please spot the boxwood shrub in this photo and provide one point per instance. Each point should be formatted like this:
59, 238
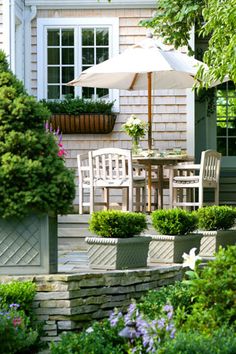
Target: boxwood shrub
216, 217
174, 221
117, 224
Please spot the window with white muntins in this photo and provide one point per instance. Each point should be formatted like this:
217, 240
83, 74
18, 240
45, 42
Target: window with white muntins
66, 47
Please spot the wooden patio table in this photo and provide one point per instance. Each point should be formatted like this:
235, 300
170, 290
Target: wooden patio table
159, 161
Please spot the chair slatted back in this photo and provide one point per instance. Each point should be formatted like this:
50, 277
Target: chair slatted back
210, 166
111, 165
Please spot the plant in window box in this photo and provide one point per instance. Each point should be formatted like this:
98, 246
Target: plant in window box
175, 235
118, 245
215, 223
77, 115
35, 184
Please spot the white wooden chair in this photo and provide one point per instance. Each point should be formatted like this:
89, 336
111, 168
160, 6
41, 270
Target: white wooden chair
191, 177
107, 169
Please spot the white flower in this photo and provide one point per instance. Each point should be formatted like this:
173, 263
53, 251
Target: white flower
89, 330
190, 259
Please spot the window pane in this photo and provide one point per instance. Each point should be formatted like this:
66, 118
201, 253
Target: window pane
232, 111
53, 92
67, 74
102, 37
68, 37
102, 54
87, 92
54, 37
232, 147
88, 56
88, 37
221, 131
53, 74
67, 55
68, 90
102, 93
53, 56
221, 146
232, 128
221, 111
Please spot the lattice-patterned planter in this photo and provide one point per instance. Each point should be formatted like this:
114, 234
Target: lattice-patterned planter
28, 245
117, 253
169, 249
212, 240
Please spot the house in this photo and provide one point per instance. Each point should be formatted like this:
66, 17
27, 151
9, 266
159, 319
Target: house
49, 42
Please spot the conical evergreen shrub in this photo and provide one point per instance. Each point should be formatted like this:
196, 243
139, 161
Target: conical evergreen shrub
32, 175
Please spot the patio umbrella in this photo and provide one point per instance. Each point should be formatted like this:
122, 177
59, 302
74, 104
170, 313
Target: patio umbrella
144, 66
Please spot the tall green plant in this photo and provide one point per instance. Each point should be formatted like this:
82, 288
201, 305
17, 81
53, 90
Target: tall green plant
32, 175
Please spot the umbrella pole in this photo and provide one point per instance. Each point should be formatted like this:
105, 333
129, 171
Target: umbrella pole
149, 75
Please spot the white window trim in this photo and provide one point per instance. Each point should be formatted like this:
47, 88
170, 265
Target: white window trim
44, 23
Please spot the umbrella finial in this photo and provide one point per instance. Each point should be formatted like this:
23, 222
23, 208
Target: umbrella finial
149, 33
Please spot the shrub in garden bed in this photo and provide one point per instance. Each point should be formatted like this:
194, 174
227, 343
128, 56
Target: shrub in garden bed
19, 334
33, 176
115, 223
221, 341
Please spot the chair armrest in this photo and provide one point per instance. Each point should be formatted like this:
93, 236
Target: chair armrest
187, 167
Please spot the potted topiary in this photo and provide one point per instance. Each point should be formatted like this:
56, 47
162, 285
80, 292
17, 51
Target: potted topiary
77, 115
118, 245
175, 238
35, 184
214, 223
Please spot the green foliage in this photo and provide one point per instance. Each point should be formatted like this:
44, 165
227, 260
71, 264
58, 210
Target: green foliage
215, 290
78, 105
173, 221
174, 20
16, 335
18, 292
19, 332
220, 25
118, 224
222, 341
179, 295
100, 338
216, 217
32, 175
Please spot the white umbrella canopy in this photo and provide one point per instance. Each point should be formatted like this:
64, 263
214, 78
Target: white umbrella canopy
144, 66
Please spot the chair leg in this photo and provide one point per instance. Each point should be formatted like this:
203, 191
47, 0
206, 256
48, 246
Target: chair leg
137, 199
91, 199
217, 195
130, 199
144, 199
200, 197
106, 196
80, 200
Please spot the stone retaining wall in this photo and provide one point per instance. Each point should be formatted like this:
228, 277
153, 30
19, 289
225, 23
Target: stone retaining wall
70, 302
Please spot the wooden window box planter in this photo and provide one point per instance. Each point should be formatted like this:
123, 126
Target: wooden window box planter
83, 123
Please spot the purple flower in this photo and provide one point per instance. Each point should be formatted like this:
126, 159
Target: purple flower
168, 308
161, 323
114, 318
172, 333
14, 306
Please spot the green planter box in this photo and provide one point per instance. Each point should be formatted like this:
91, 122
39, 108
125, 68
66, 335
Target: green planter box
28, 245
212, 240
117, 253
169, 249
